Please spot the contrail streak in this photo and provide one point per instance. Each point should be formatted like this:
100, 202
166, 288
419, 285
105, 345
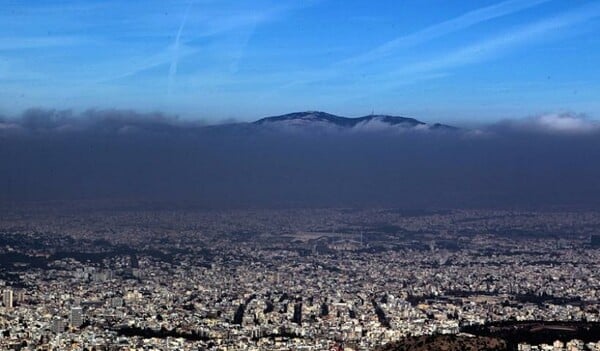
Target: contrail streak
175, 57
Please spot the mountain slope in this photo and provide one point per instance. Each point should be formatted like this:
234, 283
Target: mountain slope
317, 119
446, 343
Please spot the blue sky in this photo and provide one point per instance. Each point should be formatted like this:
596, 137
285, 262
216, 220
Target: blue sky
436, 60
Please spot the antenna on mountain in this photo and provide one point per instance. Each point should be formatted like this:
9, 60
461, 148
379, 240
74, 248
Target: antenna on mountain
372, 112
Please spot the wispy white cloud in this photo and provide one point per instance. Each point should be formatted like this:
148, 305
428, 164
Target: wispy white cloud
444, 28
427, 67
492, 47
566, 123
20, 43
141, 64
204, 27
554, 123
175, 51
137, 47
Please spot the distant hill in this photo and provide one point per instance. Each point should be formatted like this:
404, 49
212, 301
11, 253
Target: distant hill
446, 343
321, 120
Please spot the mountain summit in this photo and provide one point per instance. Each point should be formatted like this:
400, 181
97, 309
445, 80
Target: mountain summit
317, 119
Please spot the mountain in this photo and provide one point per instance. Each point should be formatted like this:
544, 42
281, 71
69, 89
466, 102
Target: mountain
323, 120
105, 123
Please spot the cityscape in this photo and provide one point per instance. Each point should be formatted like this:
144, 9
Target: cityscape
299, 175
306, 279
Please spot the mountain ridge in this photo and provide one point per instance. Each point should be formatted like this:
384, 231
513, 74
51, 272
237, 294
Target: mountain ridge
324, 119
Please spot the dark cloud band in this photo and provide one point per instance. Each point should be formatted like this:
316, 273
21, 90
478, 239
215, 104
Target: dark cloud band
59, 155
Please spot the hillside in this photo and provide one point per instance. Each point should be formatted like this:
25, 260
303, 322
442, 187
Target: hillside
445, 343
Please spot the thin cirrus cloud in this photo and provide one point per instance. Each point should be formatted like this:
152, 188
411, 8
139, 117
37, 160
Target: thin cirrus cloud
195, 57
200, 21
421, 37
493, 47
185, 42
21, 43
445, 63
9, 70
461, 22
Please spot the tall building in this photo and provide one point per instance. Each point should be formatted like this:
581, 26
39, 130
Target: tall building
7, 298
19, 296
76, 317
58, 325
